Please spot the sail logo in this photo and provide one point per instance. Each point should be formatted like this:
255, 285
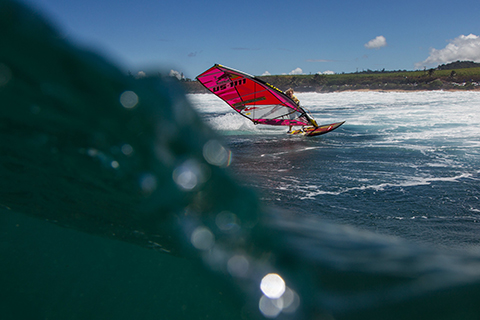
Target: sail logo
231, 84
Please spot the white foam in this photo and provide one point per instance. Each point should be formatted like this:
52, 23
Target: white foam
310, 191
207, 103
399, 116
231, 122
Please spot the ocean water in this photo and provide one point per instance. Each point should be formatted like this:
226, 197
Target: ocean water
118, 202
404, 164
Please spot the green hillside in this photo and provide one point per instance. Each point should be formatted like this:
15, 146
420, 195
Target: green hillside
445, 77
462, 79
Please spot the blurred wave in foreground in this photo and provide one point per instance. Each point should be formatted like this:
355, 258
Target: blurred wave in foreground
90, 156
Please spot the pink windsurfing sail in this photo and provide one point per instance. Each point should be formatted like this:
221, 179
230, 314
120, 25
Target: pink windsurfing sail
253, 98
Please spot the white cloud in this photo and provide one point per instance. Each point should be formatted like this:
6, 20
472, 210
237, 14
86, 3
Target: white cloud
176, 74
326, 72
376, 43
266, 73
461, 48
296, 71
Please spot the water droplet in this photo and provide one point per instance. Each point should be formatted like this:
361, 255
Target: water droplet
291, 301
114, 164
269, 308
227, 221
189, 174
238, 266
127, 149
216, 259
202, 238
186, 179
216, 154
129, 99
273, 286
148, 183
92, 152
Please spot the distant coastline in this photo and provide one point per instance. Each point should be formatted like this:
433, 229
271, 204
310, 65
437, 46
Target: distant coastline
195, 87
457, 76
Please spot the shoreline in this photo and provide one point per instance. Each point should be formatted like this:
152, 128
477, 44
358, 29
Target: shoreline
193, 87
397, 90
476, 89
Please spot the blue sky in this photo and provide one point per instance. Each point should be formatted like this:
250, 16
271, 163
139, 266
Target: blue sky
277, 37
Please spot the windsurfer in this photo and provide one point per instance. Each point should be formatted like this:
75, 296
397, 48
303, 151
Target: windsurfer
259, 101
290, 94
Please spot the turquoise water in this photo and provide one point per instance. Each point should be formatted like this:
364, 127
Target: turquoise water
118, 202
404, 164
